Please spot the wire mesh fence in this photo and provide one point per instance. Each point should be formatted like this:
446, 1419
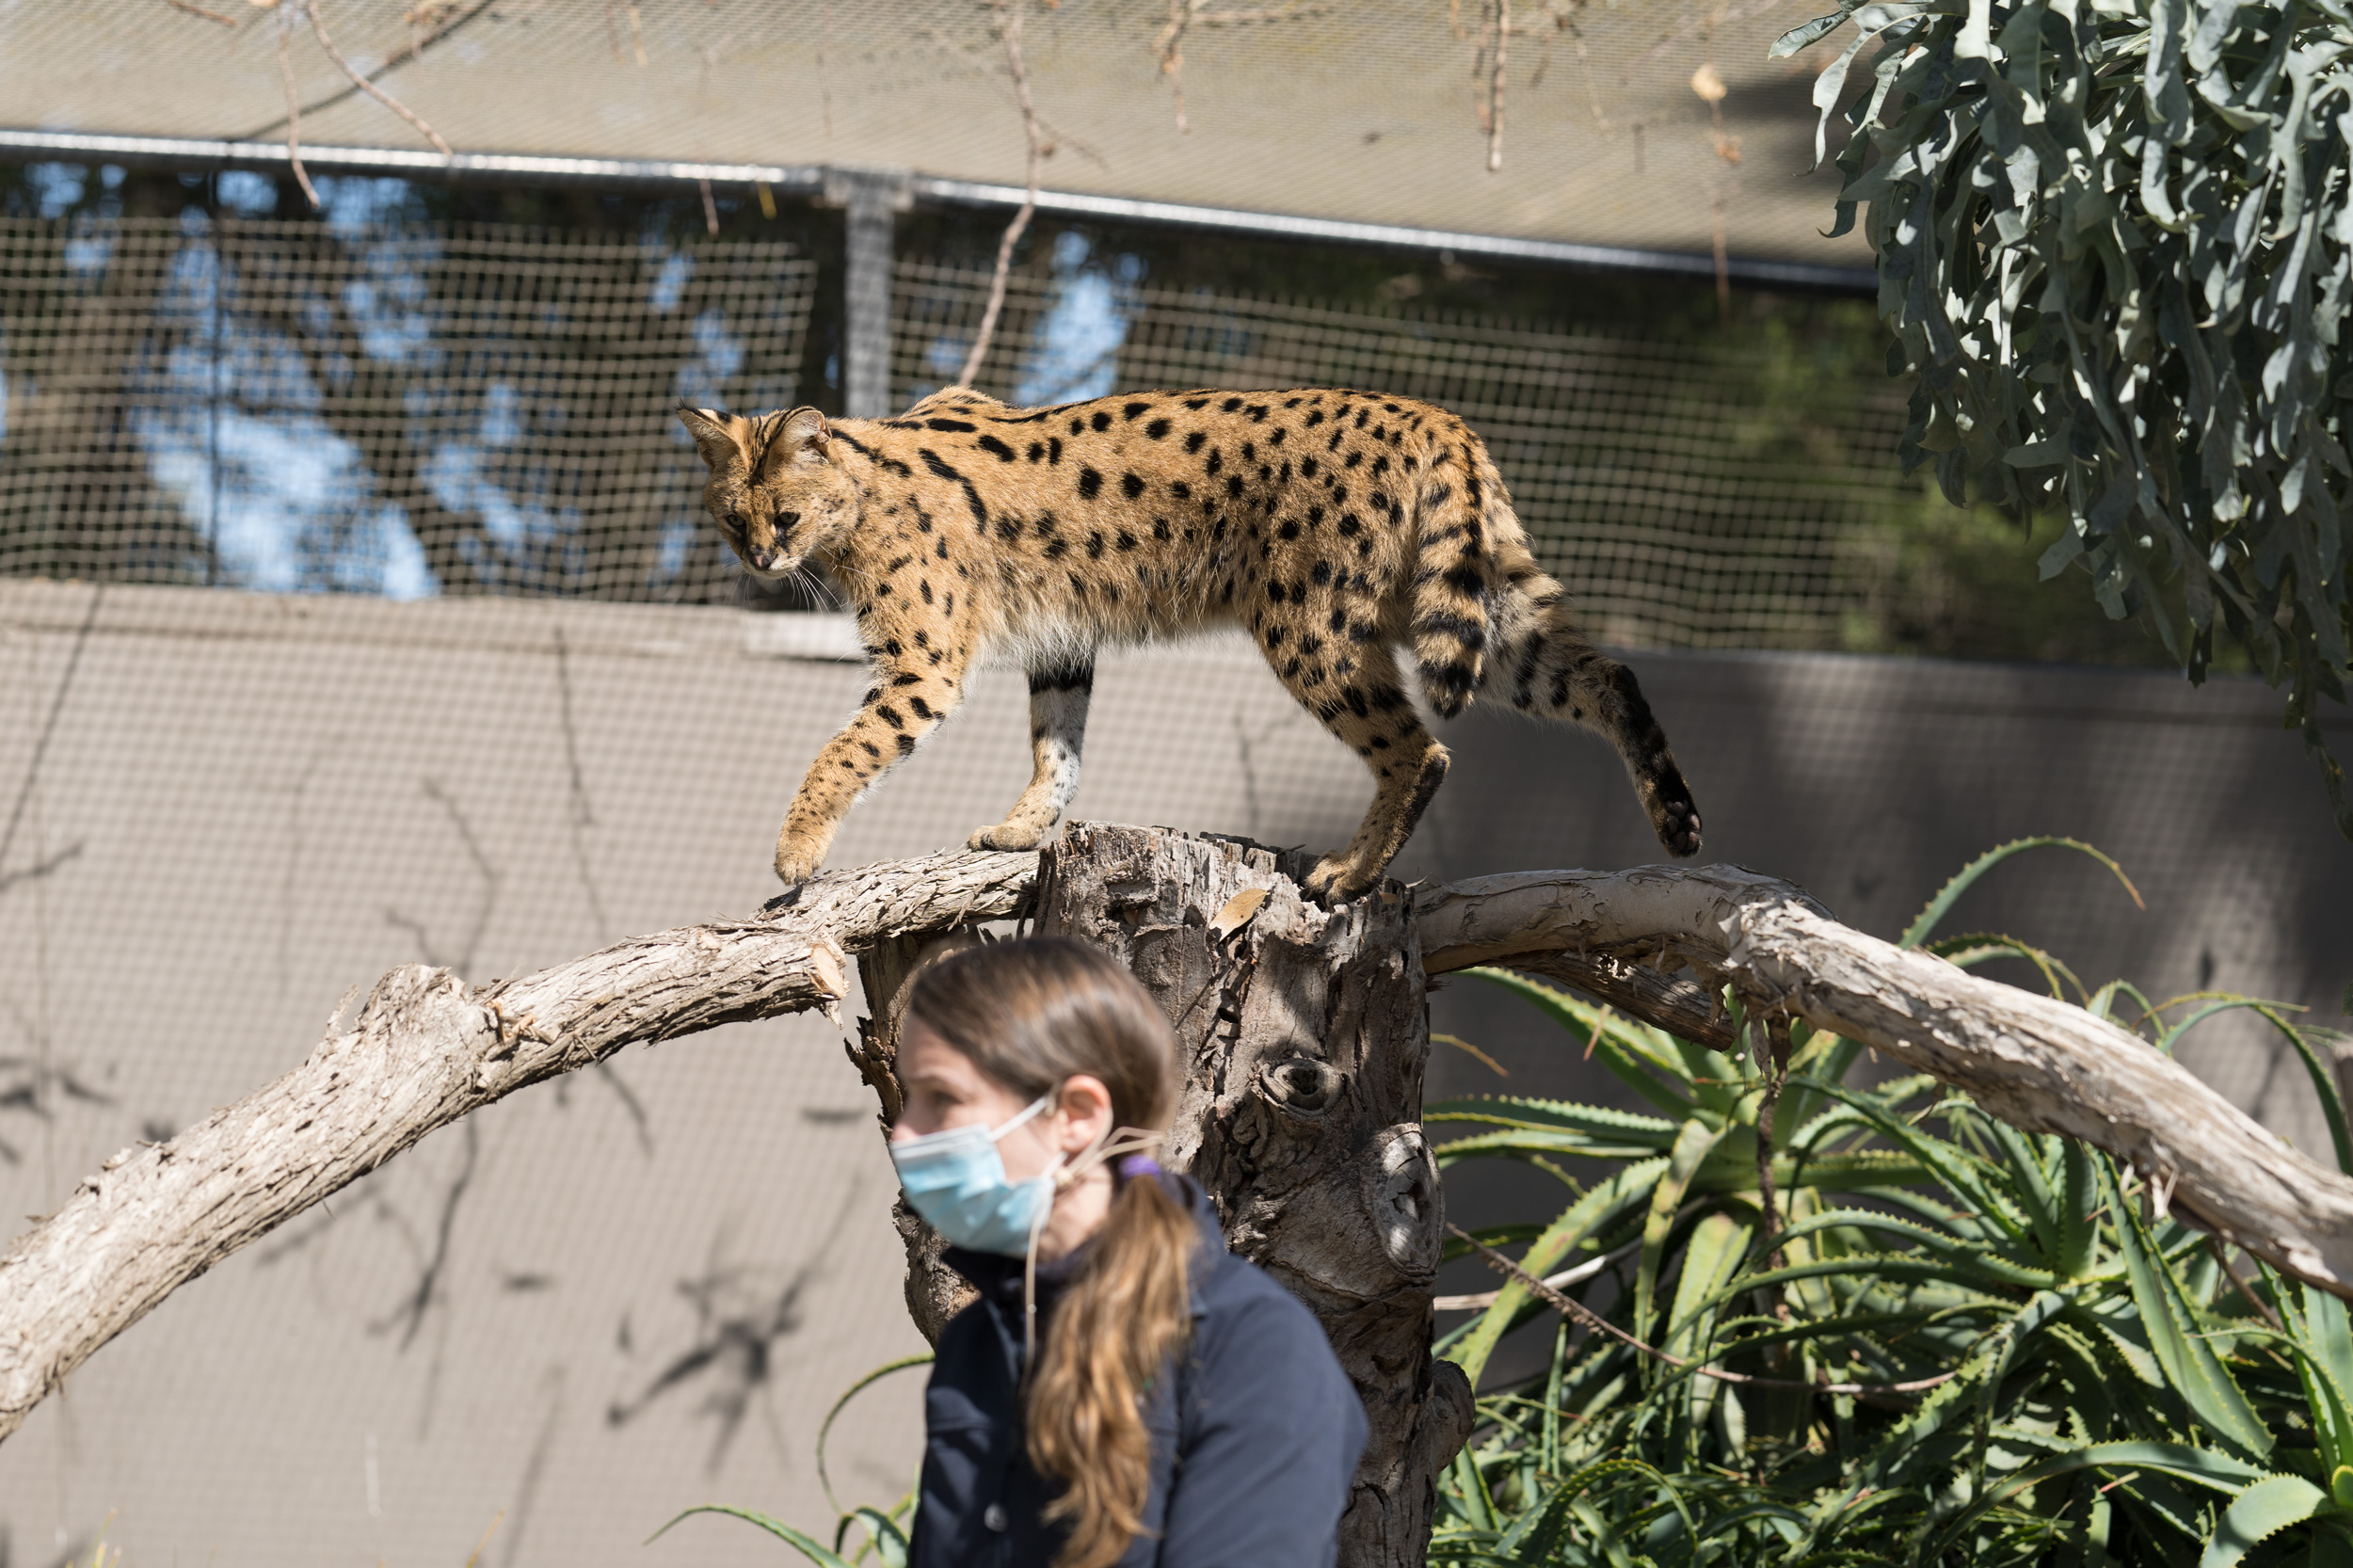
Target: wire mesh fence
1652, 476
588, 1308
406, 409
400, 409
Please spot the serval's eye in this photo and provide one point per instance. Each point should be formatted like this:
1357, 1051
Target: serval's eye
734, 522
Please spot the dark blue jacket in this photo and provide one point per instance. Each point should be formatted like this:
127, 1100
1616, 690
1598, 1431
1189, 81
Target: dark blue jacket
1253, 1441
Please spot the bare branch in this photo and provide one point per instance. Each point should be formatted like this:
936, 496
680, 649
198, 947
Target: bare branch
318, 27
438, 20
1170, 47
1012, 29
1184, 15
424, 1050
1570, 1306
1495, 88
2033, 1061
294, 112
199, 11
1265, 13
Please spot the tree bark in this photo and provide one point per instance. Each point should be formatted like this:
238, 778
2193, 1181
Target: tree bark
1303, 1034
423, 1052
2033, 1061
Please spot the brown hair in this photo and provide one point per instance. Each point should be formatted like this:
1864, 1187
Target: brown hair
1029, 1014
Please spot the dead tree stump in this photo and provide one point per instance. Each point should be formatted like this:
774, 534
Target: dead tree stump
1303, 1036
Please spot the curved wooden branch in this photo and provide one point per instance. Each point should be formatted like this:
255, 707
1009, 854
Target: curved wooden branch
2033, 1061
424, 1049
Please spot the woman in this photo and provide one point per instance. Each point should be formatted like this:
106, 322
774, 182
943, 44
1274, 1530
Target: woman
1125, 1391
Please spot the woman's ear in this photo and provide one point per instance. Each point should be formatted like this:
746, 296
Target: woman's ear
1084, 1109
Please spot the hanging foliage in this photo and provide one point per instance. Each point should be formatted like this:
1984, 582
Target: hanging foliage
2114, 239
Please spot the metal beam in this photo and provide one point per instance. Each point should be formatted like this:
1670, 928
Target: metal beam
1748, 271
871, 197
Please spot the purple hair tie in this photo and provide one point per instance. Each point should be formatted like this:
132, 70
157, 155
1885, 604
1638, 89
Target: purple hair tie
1138, 1165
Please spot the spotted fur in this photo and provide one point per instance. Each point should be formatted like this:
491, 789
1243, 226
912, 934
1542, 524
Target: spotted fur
1337, 527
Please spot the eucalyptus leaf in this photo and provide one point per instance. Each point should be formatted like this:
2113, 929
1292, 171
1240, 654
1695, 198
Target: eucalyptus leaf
2115, 241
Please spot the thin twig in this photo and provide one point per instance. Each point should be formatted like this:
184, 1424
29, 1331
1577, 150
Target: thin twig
1169, 46
1710, 83
1771, 1046
1594, 1320
199, 11
711, 208
1266, 13
294, 113
2213, 1244
1495, 88
1012, 236
442, 25
318, 27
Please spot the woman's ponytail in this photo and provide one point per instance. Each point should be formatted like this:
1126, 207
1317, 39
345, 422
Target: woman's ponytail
1030, 1014
1119, 1326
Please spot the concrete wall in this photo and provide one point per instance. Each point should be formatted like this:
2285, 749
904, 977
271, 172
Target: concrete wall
611, 1298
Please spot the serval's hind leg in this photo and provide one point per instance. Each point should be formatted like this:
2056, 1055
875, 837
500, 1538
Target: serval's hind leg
1368, 711
1058, 727
1545, 667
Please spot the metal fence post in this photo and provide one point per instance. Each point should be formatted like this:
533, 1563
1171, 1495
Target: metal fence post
871, 194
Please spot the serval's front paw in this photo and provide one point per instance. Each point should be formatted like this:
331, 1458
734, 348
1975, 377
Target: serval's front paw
1337, 878
1012, 832
797, 860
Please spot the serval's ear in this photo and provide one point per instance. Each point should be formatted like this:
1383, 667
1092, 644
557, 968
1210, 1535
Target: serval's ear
796, 441
719, 437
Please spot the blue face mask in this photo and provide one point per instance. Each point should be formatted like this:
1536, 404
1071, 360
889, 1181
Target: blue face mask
955, 1180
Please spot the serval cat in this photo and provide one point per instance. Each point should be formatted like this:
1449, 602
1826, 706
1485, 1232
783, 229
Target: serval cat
1339, 527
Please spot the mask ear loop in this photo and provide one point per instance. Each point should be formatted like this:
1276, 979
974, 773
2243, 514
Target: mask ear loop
1111, 1144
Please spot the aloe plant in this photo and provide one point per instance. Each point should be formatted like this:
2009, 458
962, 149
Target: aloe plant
1959, 1343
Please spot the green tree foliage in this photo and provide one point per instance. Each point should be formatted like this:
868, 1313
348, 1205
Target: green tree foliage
2115, 239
